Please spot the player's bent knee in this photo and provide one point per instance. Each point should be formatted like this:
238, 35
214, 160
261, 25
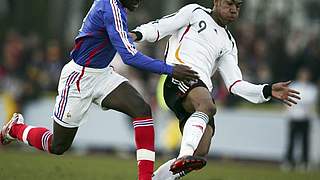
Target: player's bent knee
208, 108
142, 110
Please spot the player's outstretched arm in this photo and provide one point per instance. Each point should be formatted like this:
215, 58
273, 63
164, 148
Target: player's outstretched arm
282, 92
167, 25
119, 38
232, 77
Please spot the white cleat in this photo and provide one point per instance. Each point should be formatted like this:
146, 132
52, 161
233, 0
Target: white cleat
5, 137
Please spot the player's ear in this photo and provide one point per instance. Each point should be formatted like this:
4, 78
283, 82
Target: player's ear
214, 2
218, 2
131, 5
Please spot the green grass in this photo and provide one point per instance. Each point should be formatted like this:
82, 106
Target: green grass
15, 165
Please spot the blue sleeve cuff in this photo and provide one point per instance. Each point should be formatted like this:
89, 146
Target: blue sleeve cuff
169, 70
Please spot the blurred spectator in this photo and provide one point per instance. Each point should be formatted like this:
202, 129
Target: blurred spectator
300, 116
11, 84
26, 70
52, 66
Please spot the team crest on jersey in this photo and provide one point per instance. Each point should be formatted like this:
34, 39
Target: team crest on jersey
69, 114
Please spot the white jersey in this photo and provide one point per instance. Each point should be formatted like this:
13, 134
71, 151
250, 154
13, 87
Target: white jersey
199, 42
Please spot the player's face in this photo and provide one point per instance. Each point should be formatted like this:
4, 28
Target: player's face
228, 10
131, 5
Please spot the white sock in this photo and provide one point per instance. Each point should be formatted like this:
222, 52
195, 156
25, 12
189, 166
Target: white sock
164, 173
192, 133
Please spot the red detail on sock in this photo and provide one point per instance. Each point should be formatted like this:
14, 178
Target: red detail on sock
198, 126
17, 131
35, 136
144, 137
145, 169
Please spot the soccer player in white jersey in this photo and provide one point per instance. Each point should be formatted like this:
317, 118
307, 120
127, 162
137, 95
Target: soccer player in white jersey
200, 39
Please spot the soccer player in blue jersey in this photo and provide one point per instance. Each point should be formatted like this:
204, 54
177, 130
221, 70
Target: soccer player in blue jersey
88, 79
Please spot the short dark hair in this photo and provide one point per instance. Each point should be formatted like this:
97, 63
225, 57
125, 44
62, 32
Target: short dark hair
236, 1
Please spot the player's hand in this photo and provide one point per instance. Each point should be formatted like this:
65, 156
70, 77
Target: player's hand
133, 36
282, 92
184, 73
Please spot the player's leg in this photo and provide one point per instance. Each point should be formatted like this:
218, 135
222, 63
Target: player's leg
290, 146
201, 151
305, 143
67, 112
172, 91
163, 172
198, 101
127, 100
195, 162
62, 138
38, 137
205, 142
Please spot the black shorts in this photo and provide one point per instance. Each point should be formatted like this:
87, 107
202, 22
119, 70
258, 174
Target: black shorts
174, 92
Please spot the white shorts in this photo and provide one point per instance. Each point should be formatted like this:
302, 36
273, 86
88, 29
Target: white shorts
80, 87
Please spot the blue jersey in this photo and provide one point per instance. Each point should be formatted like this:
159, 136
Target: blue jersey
104, 32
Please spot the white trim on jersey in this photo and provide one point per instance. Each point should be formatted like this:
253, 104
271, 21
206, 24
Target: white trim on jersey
119, 27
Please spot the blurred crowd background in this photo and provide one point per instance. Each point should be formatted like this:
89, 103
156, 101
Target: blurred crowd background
275, 38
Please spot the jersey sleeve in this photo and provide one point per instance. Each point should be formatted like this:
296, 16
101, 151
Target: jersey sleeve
116, 27
232, 76
168, 25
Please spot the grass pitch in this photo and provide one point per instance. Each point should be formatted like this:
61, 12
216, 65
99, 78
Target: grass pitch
16, 165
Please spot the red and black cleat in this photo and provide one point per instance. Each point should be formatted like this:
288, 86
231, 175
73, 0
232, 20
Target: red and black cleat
187, 164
